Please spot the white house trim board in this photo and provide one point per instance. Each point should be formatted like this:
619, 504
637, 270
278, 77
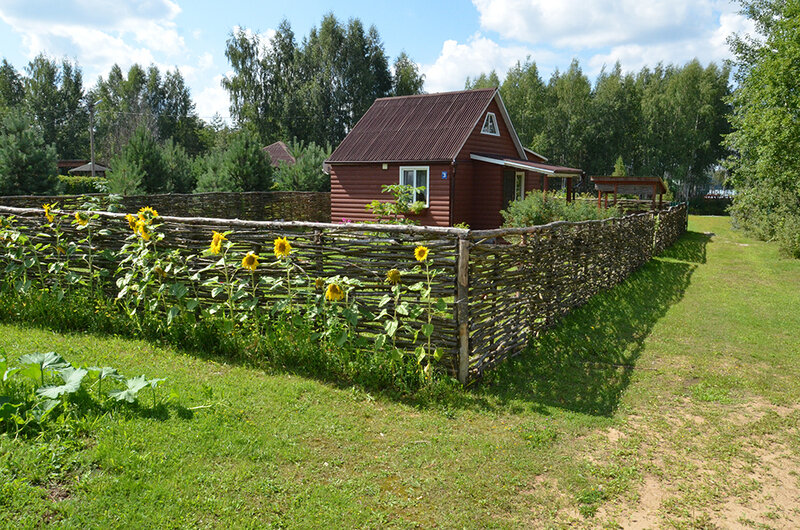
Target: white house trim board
527, 150
508, 163
511, 130
520, 165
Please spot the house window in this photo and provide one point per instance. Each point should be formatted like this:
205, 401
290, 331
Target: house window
419, 177
490, 125
519, 186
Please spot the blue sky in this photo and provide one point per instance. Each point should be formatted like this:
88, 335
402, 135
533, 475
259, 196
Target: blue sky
450, 40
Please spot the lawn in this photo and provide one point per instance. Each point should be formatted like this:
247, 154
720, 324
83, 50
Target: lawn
671, 400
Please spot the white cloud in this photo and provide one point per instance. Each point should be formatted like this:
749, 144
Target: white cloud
709, 46
98, 33
213, 99
578, 24
479, 55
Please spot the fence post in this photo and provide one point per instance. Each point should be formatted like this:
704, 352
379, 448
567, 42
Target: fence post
462, 309
318, 240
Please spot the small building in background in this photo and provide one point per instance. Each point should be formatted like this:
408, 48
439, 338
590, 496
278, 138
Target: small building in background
460, 146
651, 187
279, 152
86, 170
64, 166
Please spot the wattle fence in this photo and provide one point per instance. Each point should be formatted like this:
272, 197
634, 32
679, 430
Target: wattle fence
502, 286
251, 205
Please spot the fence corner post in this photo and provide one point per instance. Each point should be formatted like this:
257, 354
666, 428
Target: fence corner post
462, 309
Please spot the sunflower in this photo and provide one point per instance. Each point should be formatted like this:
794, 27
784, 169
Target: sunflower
216, 242
319, 283
334, 292
47, 208
250, 261
393, 277
147, 214
141, 229
82, 218
421, 253
282, 248
132, 220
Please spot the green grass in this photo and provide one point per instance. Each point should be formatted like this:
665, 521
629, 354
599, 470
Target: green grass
683, 378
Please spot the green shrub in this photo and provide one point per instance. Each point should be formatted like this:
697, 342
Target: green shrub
771, 214
703, 206
538, 208
78, 185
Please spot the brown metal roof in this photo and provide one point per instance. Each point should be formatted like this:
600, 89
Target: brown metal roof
279, 152
529, 165
71, 163
427, 127
633, 185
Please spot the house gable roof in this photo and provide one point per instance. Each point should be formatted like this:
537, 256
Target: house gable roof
422, 128
279, 152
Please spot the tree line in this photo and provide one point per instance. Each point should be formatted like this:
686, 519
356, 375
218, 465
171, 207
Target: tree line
667, 121
147, 129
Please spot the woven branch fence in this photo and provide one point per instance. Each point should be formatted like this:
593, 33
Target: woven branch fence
501, 286
253, 206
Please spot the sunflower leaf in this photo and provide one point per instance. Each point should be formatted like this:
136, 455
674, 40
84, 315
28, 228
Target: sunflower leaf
391, 327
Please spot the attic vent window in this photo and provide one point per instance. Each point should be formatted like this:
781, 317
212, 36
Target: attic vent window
490, 125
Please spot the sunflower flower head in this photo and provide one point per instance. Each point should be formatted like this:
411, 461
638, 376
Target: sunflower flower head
47, 213
393, 277
282, 248
421, 253
216, 242
132, 220
319, 283
250, 261
334, 293
81, 218
147, 214
142, 230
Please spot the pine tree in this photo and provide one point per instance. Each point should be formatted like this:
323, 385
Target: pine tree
27, 162
246, 164
619, 168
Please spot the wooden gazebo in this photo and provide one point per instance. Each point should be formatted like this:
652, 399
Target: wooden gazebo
642, 186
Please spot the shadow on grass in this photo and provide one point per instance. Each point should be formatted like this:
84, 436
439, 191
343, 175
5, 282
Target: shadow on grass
691, 247
585, 363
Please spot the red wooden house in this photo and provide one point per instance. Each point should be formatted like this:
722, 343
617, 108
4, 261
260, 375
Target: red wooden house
461, 146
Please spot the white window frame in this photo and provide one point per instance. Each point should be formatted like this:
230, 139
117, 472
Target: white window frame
427, 170
519, 185
494, 122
